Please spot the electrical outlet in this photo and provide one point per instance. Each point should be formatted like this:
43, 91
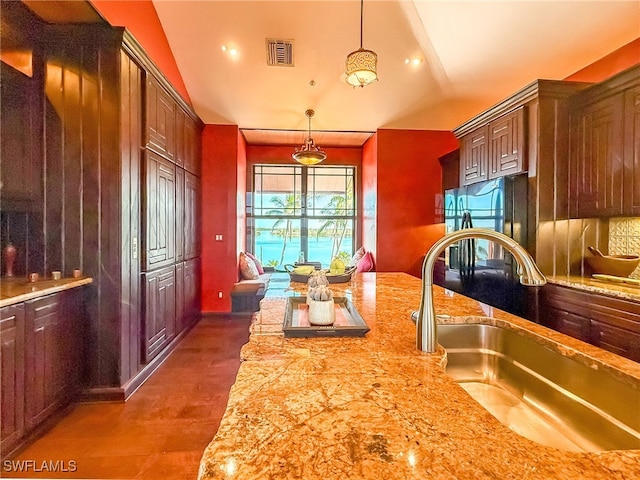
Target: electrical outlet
219, 294
218, 237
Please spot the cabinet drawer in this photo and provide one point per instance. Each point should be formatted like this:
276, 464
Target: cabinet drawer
616, 340
575, 326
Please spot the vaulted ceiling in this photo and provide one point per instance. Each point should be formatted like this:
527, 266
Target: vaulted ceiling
472, 53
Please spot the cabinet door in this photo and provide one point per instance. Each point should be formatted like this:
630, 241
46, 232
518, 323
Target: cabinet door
160, 116
192, 290
474, 155
159, 216
506, 145
632, 152
12, 376
575, 326
181, 138
191, 216
192, 161
20, 173
616, 340
180, 215
160, 304
596, 159
46, 331
180, 306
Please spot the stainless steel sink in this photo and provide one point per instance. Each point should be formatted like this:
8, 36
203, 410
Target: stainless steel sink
541, 394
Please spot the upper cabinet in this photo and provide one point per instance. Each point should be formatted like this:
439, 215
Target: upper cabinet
161, 119
605, 149
494, 150
506, 145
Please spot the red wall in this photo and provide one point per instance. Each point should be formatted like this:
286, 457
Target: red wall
219, 211
615, 62
411, 180
141, 19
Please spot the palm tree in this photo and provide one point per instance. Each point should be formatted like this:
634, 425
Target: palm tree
337, 227
286, 207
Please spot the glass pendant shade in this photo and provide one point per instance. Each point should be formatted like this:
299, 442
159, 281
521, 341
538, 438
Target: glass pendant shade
309, 153
362, 67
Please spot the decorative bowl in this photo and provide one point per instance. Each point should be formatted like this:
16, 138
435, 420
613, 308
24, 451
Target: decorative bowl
617, 265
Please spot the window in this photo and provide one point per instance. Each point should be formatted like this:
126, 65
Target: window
294, 209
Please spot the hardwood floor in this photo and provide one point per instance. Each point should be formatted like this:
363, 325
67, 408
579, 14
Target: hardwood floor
162, 430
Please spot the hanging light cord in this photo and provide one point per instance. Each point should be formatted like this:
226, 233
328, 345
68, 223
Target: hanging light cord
361, 19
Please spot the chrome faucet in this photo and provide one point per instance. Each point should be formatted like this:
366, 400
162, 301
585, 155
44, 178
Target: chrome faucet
426, 323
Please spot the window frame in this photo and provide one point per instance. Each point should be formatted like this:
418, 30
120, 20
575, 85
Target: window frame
305, 171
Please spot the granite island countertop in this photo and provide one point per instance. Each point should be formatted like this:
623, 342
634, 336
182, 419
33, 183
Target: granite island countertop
18, 289
376, 407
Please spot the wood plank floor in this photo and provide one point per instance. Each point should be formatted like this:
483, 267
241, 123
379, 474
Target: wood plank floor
162, 430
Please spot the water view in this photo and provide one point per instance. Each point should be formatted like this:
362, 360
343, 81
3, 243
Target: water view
269, 249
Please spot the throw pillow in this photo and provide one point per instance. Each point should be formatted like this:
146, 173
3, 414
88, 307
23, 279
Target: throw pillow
256, 261
248, 268
357, 256
365, 264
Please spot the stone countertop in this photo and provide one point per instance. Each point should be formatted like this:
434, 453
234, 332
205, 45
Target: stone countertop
19, 289
376, 407
603, 287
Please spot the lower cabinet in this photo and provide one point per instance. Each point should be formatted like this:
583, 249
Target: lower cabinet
41, 361
160, 310
12, 376
609, 323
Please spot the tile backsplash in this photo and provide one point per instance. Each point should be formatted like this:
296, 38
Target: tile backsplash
624, 238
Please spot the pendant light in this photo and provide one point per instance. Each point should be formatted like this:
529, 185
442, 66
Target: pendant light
362, 64
309, 153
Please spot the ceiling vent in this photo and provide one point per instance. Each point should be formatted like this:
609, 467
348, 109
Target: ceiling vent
279, 52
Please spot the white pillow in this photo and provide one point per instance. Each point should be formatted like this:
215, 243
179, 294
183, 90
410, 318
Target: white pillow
357, 257
248, 268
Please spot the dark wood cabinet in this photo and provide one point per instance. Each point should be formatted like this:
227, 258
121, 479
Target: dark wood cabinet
506, 145
181, 318
605, 144
631, 176
160, 208
494, 150
42, 358
474, 157
104, 185
21, 173
46, 367
160, 308
192, 289
192, 162
12, 375
192, 236
180, 214
160, 118
610, 323
450, 164
596, 158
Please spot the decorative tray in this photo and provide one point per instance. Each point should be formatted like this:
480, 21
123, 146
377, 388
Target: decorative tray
345, 277
348, 322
